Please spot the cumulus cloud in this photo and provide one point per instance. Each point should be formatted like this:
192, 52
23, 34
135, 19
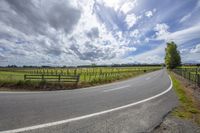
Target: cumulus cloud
63, 17
78, 32
93, 33
196, 49
128, 6
149, 14
48, 33
131, 20
184, 50
29, 29
161, 30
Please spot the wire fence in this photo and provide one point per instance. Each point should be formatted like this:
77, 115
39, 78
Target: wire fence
87, 75
192, 74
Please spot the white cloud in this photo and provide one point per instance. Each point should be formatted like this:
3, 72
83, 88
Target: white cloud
161, 30
189, 57
146, 39
81, 32
184, 18
135, 33
196, 49
128, 6
112, 3
149, 14
182, 51
184, 35
131, 20
152, 56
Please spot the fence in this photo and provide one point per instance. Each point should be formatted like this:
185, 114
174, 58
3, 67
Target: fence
53, 78
88, 76
192, 74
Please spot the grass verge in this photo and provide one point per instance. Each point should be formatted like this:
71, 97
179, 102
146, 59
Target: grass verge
189, 107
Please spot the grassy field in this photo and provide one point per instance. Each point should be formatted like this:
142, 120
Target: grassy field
88, 76
189, 108
192, 73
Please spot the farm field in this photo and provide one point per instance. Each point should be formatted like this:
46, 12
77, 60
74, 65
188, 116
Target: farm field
87, 76
192, 73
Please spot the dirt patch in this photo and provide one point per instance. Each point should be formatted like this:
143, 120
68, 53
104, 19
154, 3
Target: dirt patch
173, 124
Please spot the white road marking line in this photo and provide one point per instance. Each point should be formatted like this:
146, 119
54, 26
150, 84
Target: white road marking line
21, 92
86, 116
118, 88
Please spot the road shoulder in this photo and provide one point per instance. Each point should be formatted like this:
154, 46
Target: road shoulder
185, 118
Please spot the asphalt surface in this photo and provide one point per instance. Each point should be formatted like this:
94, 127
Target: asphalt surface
18, 110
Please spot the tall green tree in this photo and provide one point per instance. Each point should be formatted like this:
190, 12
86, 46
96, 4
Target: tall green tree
172, 56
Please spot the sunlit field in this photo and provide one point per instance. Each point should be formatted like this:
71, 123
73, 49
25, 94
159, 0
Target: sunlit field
192, 73
87, 76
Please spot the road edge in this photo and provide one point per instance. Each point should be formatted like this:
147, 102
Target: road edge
45, 125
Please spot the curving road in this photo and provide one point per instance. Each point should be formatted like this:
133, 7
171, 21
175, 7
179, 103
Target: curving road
26, 109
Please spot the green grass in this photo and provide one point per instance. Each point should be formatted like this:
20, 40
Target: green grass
188, 108
88, 76
188, 66
11, 76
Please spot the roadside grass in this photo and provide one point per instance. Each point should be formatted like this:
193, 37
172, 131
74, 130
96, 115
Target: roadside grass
188, 108
187, 66
11, 76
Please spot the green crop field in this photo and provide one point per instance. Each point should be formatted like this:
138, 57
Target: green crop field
189, 66
89, 76
192, 73
86, 74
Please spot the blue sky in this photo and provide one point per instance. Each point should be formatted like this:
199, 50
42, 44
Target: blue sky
79, 32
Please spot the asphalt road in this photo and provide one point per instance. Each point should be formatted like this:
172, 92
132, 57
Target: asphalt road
25, 109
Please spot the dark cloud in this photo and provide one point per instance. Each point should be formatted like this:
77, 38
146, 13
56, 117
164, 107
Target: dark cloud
93, 33
25, 16
92, 52
26, 27
63, 17
55, 52
2, 58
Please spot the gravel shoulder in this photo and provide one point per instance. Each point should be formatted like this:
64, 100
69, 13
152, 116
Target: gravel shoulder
184, 118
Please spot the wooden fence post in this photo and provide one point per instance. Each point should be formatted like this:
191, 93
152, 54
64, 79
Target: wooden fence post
84, 77
59, 78
198, 80
25, 77
42, 76
196, 76
189, 76
78, 78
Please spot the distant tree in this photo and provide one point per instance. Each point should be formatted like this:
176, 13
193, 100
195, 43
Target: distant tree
12, 66
93, 65
172, 56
